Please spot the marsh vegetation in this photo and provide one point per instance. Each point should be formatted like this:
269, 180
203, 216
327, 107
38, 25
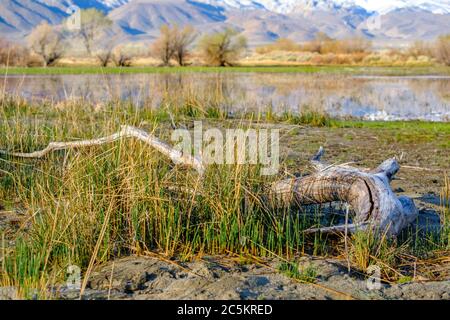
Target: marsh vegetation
90, 206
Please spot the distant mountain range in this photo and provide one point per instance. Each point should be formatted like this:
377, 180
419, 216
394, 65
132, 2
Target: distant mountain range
385, 21
379, 6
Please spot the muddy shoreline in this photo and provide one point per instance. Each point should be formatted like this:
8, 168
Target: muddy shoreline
222, 278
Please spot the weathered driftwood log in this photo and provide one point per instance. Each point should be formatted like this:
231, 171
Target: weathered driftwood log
126, 132
368, 192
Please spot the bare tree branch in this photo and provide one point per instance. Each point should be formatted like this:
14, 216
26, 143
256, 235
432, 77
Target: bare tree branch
126, 132
368, 193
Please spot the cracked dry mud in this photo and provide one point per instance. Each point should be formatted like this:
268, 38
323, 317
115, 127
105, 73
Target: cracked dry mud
220, 278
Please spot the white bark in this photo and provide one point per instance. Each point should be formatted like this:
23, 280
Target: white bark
368, 193
126, 132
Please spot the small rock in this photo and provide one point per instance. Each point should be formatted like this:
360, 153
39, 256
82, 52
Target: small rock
8, 293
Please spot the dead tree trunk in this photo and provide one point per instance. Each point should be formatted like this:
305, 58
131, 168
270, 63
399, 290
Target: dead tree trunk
126, 132
368, 192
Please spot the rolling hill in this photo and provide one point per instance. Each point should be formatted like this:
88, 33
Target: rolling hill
263, 21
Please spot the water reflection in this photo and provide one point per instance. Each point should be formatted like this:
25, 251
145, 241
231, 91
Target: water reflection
389, 98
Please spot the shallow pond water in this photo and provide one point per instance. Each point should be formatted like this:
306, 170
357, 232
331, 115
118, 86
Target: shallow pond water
365, 97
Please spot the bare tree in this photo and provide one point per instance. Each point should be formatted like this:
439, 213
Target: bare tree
318, 43
353, 45
103, 50
163, 48
104, 56
121, 57
108, 51
443, 49
183, 38
222, 48
92, 27
419, 48
4, 52
12, 54
46, 42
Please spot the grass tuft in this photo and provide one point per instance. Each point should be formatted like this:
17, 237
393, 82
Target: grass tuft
293, 270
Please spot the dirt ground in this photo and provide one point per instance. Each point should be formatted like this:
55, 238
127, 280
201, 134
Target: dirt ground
221, 278
217, 278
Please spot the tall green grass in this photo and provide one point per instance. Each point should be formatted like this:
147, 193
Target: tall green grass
94, 204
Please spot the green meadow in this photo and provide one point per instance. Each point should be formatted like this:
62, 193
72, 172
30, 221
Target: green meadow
338, 69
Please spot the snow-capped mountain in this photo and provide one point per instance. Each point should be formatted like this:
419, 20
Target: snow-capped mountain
279, 6
115, 3
385, 6
283, 6
374, 6
261, 21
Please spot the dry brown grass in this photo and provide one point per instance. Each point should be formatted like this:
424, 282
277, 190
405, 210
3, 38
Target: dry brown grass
282, 44
442, 50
